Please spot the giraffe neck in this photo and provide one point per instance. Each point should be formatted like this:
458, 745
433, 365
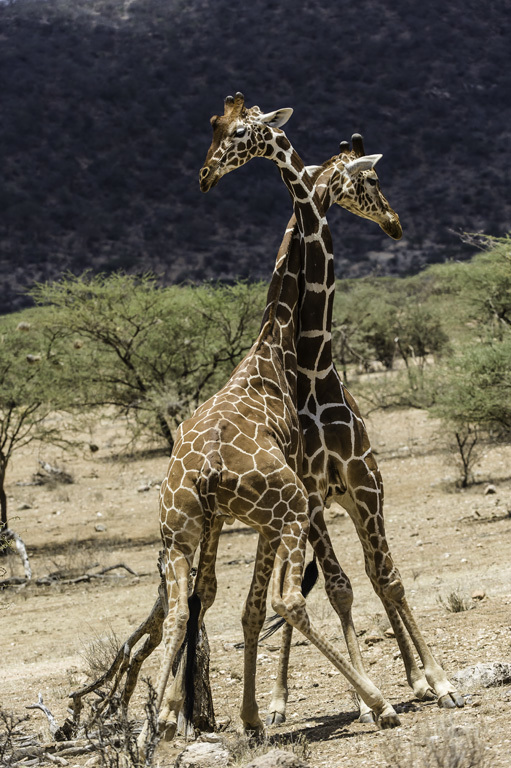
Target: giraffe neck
300, 296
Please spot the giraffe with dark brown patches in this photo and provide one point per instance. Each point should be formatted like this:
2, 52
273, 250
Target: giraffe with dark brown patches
339, 463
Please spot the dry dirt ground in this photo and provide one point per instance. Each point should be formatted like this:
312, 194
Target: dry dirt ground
443, 540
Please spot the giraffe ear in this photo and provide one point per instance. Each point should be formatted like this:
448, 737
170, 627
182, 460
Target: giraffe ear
312, 169
277, 118
364, 163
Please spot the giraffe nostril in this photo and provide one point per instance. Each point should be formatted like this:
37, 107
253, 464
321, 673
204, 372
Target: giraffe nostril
204, 172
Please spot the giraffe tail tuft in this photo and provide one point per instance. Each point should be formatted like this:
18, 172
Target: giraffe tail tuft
190, 648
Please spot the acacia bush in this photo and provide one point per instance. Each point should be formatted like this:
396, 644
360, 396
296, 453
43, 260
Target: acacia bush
388, 323
29, 391
150, 353
473, 392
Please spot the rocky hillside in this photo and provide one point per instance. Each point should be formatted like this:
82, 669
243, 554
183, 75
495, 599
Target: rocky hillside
104, 124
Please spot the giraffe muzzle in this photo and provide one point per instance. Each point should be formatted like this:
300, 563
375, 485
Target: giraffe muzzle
392, 227
207, 179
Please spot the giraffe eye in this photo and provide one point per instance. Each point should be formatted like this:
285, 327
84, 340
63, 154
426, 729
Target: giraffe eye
372, 182
240, 132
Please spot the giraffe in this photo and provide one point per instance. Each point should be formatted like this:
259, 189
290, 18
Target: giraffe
240, 454
339, 465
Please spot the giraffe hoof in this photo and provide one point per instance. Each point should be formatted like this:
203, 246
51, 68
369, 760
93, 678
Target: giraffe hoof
451, 700
367, 717
255, 733
275, 718
389, 721
425, 694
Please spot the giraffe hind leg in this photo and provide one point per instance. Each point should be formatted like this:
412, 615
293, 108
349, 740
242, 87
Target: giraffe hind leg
169, 699
252, 621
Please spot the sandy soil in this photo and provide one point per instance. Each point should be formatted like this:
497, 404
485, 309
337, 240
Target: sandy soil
443, 540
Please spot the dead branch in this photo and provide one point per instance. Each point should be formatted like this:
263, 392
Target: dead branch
124, 665
48, 475
56, 474
55, 577
115, 687
53, 725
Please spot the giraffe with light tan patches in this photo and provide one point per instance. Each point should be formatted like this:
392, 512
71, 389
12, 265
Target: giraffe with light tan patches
241, 453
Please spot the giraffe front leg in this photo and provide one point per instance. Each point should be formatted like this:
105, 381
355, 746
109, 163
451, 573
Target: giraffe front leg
289, 602
415, 676
364, 504
432, 682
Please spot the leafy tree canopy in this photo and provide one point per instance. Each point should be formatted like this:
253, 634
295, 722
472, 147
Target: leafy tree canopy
151, 353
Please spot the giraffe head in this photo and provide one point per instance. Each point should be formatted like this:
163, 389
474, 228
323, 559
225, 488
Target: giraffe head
238, 135
357, 187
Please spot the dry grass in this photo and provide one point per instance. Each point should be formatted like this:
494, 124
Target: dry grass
114, 740
243, 749
100, 653
456, 602
448, 746
9, 727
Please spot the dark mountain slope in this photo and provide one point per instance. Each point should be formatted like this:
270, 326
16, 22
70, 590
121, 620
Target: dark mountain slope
104, 125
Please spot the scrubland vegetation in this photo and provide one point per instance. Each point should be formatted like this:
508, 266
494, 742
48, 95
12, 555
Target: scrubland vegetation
123, 345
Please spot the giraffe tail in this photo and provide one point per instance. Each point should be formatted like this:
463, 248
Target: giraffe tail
309, 579
211, 470
208, 480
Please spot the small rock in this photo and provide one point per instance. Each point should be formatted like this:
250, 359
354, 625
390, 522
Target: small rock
478, 594
99, 527
211, 738
144, 488
24, 505
489, 490
483, 675
203, 754
389, 632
